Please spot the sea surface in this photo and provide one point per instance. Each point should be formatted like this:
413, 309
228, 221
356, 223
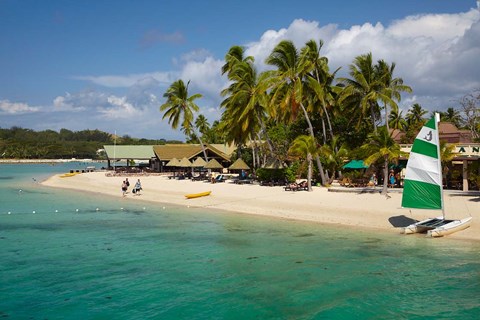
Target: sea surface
73, 255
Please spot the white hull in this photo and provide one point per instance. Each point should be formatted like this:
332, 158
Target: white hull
449, 228
437, 227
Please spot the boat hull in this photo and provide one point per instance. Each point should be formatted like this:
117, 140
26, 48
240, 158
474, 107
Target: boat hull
437, 227
449, 228
197, 195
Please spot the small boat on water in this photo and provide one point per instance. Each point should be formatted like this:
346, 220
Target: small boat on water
197, 195
423, 187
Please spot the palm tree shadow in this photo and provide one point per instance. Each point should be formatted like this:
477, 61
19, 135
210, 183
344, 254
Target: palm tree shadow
401, 221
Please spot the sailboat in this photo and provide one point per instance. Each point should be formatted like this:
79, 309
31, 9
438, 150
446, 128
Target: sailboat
423, 187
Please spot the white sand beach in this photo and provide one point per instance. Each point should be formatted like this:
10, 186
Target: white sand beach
353, 209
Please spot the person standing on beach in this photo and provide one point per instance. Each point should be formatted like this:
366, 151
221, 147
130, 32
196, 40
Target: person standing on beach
124, 188
137, 188
127, 183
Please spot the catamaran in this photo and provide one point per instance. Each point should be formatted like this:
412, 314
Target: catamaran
423, 187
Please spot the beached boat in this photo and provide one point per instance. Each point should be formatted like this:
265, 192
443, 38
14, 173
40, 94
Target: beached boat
423, 187
197, 195
71, 174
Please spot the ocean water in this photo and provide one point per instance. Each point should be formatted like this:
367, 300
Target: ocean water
71, 255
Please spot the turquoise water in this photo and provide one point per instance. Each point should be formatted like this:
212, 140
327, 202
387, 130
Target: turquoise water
87, 256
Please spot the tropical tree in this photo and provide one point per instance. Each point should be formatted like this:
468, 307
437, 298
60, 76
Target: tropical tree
180, 108
381, 147
202, 125
393, 87
415, 115
396, 120
334, 156
305, 147
287, 85
453, 116
363, 91
319, 80
246, 100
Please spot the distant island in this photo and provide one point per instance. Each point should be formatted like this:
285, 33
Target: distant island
21, 143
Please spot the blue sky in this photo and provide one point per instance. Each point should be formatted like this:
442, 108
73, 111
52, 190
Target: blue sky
106, 64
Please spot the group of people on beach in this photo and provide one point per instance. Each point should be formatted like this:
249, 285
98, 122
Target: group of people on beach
136, 189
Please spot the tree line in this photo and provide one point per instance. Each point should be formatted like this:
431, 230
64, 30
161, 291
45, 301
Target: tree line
21, 143
301, 114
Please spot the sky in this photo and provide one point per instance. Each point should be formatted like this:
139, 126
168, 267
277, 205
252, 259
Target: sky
98, 64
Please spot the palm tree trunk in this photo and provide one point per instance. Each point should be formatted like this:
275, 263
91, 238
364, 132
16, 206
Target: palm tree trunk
386, 118
309, 175
203, 148
263, 130
385, 177
317, 158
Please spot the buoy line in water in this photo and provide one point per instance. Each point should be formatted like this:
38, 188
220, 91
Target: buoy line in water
78, 210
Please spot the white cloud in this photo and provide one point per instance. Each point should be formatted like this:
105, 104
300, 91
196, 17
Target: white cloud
436, 54
125, 81
12, 108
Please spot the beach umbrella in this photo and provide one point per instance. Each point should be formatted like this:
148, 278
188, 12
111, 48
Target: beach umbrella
355, 164
173, 163
239, 164
199, 163
213, 164
184, 163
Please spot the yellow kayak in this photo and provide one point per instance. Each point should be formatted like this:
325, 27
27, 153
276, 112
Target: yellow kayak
197, 195
66, 175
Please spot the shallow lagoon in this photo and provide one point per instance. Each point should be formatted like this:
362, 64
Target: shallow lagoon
83, 255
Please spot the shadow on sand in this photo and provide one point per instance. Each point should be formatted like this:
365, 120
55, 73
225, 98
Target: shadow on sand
401, 221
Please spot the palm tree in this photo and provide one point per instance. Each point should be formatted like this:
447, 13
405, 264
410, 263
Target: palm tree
179, 108
415, 115
319, 80
452, 115
305, 147
334, 156
246, 100
201, 123
287, 83
363, 91
381, 146
396, 120
393, 86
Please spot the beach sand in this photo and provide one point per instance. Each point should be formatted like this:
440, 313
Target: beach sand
352, 209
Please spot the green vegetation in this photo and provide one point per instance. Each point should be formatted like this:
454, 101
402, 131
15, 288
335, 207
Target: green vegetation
266, 114
19, 143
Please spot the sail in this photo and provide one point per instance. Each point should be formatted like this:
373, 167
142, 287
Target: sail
423, 177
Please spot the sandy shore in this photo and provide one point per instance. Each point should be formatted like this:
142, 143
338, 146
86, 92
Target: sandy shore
364, 210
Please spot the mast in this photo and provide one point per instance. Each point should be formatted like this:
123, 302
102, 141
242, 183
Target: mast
439, 162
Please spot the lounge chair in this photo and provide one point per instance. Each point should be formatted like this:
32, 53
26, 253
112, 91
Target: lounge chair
291, 187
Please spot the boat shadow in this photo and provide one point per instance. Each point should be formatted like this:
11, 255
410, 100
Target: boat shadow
401, 221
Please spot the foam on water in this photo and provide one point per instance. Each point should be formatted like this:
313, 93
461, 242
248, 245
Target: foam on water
127, 260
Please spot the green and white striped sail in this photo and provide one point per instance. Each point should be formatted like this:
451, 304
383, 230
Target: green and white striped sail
423, 177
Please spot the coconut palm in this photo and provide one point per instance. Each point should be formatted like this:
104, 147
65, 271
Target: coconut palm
305, 147
396, 120
320, 79
334, 156
381, 146
201, 123
415, 115
246, 100
452, 115
393, 87
363, 91
287, 84
179, 108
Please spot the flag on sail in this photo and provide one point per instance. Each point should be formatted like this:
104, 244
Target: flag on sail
423, 177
